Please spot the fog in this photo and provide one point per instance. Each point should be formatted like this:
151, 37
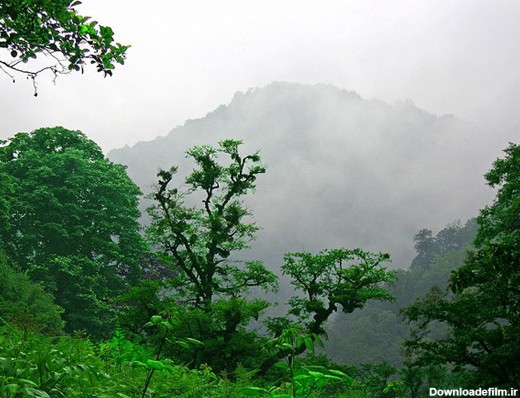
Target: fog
397, 109
187, 58
342, 171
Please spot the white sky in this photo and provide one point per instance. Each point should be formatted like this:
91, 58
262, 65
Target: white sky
188, 57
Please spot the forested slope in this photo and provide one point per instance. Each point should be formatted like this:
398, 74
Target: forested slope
342, 170
376, 333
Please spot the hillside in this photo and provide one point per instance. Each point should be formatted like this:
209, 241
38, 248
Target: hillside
341, 170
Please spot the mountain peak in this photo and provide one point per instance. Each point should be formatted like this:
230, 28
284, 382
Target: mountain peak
342, 170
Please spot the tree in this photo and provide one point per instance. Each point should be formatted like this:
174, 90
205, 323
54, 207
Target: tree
198, 242
73, 220
333, 280
26, 303
482, 307
452, 237
425, 247
328, 281
54, 29
6, 190
377, 331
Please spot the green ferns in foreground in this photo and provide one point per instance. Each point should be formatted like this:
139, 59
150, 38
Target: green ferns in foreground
39, 366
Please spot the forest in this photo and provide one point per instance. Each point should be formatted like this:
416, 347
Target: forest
92, 306
100, 299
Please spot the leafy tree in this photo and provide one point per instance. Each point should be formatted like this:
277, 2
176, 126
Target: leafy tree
333, 280
54, 29
26, 303
376, 332
425, 248
481, 310
73, 220
6, 191
452, 237
198, 243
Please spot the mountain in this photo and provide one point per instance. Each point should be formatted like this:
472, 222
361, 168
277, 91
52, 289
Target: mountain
342, 171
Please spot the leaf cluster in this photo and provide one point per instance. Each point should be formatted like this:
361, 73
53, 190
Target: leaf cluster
54, 28
25, 303
72, 222
335, 279
481, 309
198, 241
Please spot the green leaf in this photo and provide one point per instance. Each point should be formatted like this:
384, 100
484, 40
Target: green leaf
28, 382
338, 373
309, 343
317, 375
303, 377
194, 341
166, 325
183, 344
287, 346
139, 364
331, 377
12, 389
157, 365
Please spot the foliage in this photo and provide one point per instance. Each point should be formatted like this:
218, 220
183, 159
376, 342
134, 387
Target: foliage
451, 238
165, 324
26, 303
417, 378
303, 380
481, 309
138, 304
198, 243
54, 29
33, 365
73, 221
6, 191
185, 328
333, 278
228, 340
375, 332
83, 287
379, 381
120, 350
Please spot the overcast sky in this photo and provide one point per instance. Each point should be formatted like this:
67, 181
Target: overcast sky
188, 57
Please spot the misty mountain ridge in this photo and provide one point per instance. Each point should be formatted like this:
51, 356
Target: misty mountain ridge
342, 171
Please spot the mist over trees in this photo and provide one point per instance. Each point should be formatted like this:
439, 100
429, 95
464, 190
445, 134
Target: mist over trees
481, 307
93, 303
342, 170
376, 333
298, 242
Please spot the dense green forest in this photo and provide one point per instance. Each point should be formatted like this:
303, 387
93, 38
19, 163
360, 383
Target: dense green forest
91, 305
94, 304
